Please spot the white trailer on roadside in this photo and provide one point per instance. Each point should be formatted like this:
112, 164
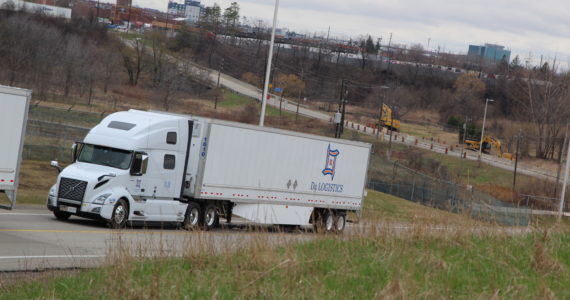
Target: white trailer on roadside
138, 166
14, 104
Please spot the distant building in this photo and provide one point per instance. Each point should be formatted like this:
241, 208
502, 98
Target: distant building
176, 9
190, 9
490, 52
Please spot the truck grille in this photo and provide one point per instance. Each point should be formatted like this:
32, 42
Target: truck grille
71, 190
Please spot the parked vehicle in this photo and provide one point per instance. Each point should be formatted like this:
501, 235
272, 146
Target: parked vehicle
161, 167
14, 104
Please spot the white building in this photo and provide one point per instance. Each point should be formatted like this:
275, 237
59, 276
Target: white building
192, 13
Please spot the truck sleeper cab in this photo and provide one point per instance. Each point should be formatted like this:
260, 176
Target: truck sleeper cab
138, 166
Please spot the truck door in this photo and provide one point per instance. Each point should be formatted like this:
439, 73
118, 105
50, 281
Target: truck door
163, 181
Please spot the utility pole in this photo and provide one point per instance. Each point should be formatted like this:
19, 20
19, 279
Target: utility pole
380, 118
483, 129
463, 137
341, 109
299, 98
268, 69
220, 68
281, 100
519, 136
391, 131
388, 52
563, 192
560, 160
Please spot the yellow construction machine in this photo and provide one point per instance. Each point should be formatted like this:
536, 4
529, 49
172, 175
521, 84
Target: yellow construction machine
489, 143
387, 118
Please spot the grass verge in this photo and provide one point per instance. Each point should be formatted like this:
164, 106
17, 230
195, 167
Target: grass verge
419, 265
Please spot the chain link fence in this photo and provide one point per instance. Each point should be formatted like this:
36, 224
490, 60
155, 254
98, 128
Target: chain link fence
48, 137
409, 184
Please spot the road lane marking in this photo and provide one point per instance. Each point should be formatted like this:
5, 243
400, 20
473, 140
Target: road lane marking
51, 256
178, 232
25, 214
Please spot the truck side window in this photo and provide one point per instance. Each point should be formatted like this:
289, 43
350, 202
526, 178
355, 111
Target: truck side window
171, 138
169, 161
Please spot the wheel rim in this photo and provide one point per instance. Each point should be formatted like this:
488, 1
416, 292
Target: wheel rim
194, 213
120, 213
210, 217
329, 222
340, 223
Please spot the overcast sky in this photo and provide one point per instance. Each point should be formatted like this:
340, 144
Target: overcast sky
523, 26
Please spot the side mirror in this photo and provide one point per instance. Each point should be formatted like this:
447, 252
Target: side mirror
140, 164
74, 152
56, 165
76, 148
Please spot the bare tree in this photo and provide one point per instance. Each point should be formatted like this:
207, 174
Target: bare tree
542, 97
133, 59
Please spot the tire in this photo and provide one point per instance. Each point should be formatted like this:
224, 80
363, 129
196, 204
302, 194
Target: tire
61, 215
120, 214
324, 221
339, 222
328, 221
210, 217
193, 219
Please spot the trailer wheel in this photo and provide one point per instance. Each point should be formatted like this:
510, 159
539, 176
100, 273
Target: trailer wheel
340, 222
324, 221
328, 219
211, 217
61, 215
120, 214
193, 218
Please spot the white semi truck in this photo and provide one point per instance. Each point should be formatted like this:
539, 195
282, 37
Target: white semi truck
138, 166
14, 104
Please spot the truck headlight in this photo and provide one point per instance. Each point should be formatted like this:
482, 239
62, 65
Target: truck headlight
52, 191
101, 199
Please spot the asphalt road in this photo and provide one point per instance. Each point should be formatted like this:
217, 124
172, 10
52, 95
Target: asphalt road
32, 239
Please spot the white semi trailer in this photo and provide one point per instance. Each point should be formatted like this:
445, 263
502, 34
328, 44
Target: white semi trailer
138, 166
14, 104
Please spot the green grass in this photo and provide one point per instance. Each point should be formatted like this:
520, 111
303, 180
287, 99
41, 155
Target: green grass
529, 266
236, 101
383, 207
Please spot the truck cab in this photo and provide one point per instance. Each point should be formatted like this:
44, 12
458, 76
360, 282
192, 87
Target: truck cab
132, 166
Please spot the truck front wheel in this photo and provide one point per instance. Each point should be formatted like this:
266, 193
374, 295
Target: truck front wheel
193, 218
61, 215
120, 214
211, 217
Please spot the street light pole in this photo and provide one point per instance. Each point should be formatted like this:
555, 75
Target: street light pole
563, 192
268, 69
483, 129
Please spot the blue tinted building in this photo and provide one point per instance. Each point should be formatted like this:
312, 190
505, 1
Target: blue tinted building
490, 52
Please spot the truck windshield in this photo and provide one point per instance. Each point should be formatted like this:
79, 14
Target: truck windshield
106, 156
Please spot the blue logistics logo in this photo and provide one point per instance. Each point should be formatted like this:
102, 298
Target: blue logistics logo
330, 163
